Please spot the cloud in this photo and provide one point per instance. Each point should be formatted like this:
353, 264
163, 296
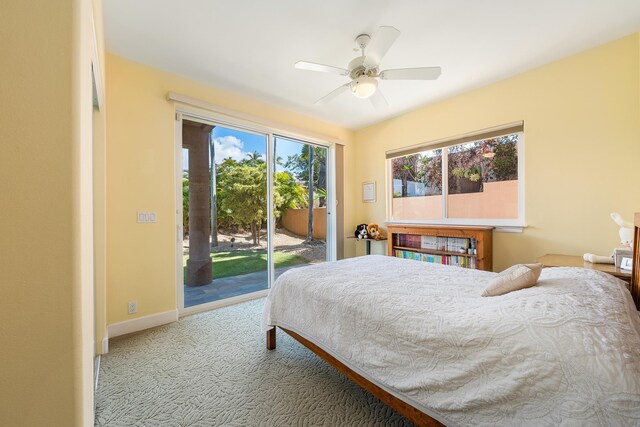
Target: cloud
229, 146
225, 147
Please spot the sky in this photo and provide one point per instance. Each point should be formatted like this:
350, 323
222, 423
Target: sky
237, 145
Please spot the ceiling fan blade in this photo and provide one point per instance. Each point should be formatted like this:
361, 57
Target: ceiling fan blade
379, 45
378, 100
328, 97
423, 73
312, 66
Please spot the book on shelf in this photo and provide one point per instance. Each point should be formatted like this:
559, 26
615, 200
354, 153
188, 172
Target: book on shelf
456, 260
457, 244
429, 242
438, 243
409, 240
463, 246
442, 243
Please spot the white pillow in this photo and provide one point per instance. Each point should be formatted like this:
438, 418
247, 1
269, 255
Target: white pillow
514, 278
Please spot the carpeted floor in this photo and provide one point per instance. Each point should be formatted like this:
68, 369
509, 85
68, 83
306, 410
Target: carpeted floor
213, 369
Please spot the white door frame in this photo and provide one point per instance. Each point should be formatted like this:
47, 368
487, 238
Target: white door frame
216, 119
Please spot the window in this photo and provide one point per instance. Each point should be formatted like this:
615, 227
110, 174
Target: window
475, 179
417, 186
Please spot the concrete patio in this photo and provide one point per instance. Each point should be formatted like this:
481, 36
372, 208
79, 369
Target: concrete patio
228, 287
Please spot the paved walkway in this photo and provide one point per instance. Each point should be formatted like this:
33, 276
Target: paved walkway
229, 287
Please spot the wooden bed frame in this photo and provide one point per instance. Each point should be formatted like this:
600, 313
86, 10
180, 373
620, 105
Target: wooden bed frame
414, 415
635, 272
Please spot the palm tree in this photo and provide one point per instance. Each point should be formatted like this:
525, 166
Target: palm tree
254, 158
404, 168
310, 168
310, 191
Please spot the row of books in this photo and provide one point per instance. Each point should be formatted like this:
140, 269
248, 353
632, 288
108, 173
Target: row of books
458, 261
438, 243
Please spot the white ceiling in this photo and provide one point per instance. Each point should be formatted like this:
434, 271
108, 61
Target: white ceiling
249, 46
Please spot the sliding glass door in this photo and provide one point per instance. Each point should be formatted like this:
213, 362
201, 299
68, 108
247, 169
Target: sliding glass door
225, 213
300, 189
247, 215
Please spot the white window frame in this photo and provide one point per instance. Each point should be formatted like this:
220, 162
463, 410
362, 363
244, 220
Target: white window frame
508, 225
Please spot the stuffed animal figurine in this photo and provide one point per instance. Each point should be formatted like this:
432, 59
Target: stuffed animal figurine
361, 231
373, 230
626, 238
626, 229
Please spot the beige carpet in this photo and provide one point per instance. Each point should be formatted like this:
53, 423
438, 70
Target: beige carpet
212, 369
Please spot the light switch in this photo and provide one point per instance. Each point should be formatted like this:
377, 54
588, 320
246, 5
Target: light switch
146, 217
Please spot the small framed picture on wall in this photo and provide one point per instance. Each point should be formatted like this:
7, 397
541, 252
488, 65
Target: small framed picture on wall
369, 191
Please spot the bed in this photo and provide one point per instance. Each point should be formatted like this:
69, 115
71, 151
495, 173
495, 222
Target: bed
421, 338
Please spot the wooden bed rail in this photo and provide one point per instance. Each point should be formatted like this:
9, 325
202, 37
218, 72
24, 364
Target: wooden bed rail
635, 272
416, 416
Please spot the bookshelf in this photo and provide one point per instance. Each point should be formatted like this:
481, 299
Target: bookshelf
470, 247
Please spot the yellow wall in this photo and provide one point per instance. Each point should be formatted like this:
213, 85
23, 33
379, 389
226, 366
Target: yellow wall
46, 257
582, 143
141, 258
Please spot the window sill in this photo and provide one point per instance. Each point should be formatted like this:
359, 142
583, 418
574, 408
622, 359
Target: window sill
496, 228
510, 229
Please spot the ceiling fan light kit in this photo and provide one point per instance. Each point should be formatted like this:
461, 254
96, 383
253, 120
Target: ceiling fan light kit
364, 86
363, 70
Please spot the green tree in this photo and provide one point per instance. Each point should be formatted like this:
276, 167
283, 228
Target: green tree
245, 196
311, 164
504, 164
298, 164
405, 169
253, 159
310, 168
291, 194
464, 161
223, 169
430, 172
185, 204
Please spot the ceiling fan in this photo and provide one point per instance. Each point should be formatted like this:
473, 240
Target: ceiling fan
364, 70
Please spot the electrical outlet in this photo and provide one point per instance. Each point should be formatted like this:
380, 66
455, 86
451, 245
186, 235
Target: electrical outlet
133, 307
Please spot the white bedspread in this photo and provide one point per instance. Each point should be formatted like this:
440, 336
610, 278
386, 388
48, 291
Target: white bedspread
565, 352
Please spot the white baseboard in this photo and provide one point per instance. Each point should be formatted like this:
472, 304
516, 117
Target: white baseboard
105, 345
188, 311
96, 376
142, 323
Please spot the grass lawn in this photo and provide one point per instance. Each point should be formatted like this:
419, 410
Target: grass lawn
227, 264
